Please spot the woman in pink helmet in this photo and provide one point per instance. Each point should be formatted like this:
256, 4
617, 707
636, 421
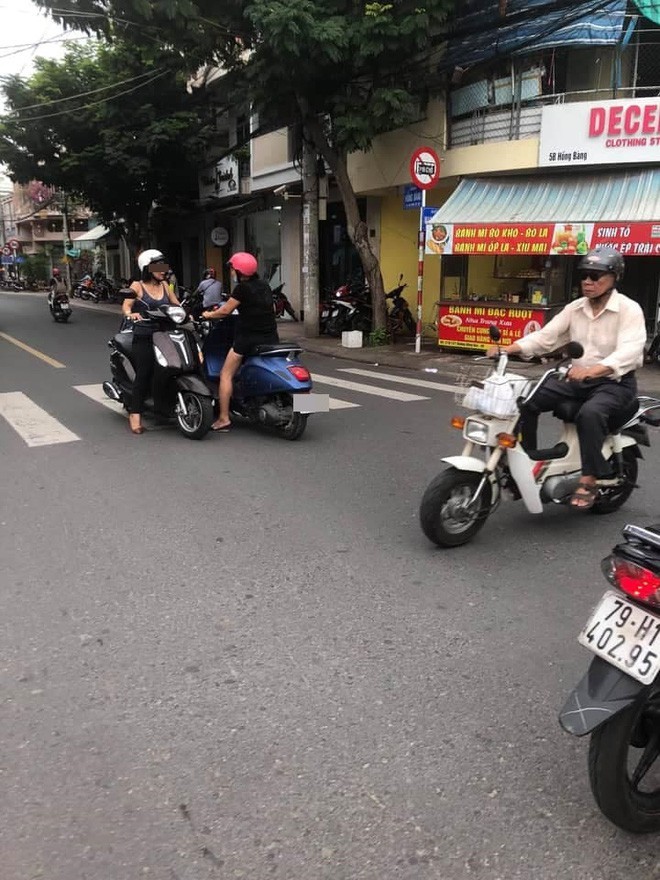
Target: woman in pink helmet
256, 325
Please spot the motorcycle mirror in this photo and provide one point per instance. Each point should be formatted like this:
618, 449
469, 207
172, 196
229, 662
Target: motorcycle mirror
574, 350
494, 333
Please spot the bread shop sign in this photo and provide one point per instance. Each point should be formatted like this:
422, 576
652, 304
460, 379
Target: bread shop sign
599, 132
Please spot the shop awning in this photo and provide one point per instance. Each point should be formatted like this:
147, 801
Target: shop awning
550, 214
482, 33
95, 234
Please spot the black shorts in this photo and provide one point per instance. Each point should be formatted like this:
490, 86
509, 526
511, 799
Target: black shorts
244, 343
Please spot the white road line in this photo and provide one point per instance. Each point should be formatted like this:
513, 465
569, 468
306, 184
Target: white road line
365, 389
96, 393
31, 422
388, 377
336, 403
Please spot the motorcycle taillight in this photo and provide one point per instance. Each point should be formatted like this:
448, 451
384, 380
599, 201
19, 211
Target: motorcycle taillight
301, 373
636, 581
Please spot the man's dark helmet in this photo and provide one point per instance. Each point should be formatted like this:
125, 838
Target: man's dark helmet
603, 259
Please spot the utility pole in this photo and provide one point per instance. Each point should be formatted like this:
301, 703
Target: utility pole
67, 244
310, 237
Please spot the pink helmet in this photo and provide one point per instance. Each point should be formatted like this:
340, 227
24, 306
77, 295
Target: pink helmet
244, 263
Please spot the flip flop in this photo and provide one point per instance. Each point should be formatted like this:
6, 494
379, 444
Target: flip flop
221, 429
584, 497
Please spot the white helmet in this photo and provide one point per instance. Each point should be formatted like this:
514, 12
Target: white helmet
146, 258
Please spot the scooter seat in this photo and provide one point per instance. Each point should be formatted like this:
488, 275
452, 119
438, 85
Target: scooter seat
279, 348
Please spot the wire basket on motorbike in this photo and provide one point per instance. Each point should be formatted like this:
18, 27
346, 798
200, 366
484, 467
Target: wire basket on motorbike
480, 388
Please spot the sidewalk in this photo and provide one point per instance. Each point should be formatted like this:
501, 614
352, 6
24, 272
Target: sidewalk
401, 354
431, 358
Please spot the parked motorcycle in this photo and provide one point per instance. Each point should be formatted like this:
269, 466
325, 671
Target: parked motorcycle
86, 289
281, 303
618, 700
348, 308
458, 501
59, 306
180, 388
272, 388
399, 318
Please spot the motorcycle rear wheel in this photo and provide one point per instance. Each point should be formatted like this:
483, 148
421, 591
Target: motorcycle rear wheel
196, 422
445, 515
614, 498
614, 783
294, 429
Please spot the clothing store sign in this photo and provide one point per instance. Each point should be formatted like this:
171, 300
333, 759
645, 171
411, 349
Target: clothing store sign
600, 132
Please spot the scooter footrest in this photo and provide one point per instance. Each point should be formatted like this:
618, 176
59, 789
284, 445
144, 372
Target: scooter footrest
559, 450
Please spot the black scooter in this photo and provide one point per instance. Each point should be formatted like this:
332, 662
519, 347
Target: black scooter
618, 700
59, 306
179, 389
281, 303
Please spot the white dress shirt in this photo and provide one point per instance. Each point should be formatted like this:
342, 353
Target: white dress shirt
614, 338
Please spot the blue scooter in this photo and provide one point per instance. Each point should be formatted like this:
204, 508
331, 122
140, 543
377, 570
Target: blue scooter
272, 388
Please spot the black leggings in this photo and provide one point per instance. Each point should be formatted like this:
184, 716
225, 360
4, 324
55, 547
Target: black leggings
142, 356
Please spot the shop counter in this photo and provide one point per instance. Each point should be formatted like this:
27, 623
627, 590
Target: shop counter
464, 324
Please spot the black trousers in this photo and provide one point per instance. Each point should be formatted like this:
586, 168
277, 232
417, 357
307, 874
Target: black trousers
142, 356
604, 406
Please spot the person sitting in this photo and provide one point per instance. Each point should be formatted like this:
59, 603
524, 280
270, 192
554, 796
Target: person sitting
151, 292
612, 330
256, 325
210, 289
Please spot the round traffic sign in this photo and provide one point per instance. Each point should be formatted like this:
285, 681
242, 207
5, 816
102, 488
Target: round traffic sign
219, 236
425, 168
6, 251
14, 244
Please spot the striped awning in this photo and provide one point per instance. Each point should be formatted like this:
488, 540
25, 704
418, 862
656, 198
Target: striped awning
481, 33
622, 196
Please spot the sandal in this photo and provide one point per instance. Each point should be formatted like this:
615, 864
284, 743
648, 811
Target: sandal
221, 429
584, 497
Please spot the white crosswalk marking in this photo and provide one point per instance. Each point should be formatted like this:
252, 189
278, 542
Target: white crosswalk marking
31, 422
96, 393
402, 380
391, 394
336, 403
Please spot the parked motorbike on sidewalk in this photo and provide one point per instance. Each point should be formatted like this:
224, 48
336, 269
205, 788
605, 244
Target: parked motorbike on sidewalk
281, 303
180, 390
59, 307
85, 289
618, 700
272, 388
460, 499
399, 318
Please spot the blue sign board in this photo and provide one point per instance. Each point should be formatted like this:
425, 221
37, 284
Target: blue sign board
10, 261
412, 197
427, 216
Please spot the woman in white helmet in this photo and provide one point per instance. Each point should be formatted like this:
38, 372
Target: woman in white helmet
151, 291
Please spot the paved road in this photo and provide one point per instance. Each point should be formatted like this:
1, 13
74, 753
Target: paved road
241, 658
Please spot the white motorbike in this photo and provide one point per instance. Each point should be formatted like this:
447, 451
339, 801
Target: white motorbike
458, 501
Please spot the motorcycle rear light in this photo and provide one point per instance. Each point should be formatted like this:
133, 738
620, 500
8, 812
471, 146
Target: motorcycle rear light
506, 441
301, 373
458, 422
635, 580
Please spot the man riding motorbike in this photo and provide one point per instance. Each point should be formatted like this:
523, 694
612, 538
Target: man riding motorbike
612, 330
210, 289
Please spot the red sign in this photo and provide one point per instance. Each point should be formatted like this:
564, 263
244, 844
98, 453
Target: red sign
466, 326
523, 239
14, 244
425, 168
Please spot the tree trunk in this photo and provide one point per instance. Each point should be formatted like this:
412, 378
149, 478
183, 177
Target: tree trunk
358, 230
310, 237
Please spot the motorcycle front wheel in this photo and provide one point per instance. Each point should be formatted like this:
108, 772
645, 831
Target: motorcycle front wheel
197, 419
446, 515
624, 771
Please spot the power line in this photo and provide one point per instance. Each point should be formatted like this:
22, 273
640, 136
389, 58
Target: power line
122, 82
93, 103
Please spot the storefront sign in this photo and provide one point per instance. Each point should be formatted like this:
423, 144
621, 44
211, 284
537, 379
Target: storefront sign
219, 236
466, 326
525, 239
600, 132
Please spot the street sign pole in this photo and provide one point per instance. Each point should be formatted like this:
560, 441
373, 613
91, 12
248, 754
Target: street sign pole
424, 173
421, 245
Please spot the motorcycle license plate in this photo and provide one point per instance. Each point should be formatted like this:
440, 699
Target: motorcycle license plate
311, 403
625, 636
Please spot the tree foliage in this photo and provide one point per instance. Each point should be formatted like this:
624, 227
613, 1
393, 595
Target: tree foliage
109, 124
346, 70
